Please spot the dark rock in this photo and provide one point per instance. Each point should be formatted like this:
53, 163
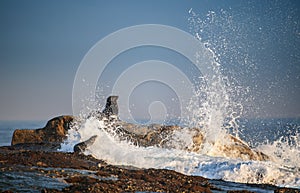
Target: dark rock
287, 190
7, 191
12, 157
36, 146
54, 132
83, 174
80, 147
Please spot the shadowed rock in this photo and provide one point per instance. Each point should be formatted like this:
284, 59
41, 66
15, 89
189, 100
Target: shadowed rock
80, 147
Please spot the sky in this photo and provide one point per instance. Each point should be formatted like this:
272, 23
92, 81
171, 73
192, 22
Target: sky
42, 44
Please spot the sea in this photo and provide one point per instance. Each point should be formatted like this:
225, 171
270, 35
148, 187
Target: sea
278, 138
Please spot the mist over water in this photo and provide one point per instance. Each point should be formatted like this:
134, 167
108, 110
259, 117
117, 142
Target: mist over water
218, 112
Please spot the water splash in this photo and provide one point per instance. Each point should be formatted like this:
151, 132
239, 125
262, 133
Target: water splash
285, 150
216, 111
216, 30
109, 147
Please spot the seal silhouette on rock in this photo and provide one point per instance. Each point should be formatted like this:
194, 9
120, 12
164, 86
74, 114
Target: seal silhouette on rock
111, 110
111, 107
80, 147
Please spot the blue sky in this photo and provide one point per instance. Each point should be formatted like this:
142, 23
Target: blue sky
43, 42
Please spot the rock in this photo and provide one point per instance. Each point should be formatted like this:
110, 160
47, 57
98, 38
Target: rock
235, 148
287, 190
41, 164
82, 173
50, 159
80, 147
50, 147
167, 137
54, 132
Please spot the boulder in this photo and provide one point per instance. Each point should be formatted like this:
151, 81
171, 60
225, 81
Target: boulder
54, 132
167, 137
233, 147
172, 137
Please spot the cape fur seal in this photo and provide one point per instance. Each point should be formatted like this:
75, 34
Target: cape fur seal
111, 107
80, 147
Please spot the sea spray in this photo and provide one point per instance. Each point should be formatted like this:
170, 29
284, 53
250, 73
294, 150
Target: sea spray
215, 31
215, 108
110, 148
284, 151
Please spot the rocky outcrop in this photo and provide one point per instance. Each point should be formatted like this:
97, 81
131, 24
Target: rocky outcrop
236, 148
169, 137
163, 136
54, 132
74, 172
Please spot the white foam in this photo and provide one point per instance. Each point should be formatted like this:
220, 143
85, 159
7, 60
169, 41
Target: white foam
114, 151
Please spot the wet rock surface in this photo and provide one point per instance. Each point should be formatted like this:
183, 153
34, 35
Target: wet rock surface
41, 171
80, 173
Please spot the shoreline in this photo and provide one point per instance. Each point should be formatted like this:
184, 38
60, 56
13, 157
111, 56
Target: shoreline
78, 172
45, 171
32, 163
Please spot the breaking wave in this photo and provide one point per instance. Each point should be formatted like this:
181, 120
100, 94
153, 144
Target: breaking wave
216, 113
